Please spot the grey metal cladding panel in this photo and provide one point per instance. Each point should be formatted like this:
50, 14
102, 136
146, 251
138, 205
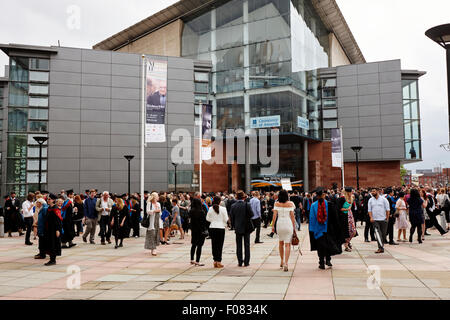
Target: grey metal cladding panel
96, 127
65, 65
64, 139
374, 142
188, 128
180, 119
391, 87
125, 93
392, 131
369, 100
64, 126
391, 76
96, 68
368, 89
391, 120
125, 105
122, 175
349, 122
131, 118
367, 68
95, 116
125, 129
98, 152
347, 91
347, 81
65, 77
350, 142
126, 82
349, 155
95, 140
372, 154
63, 151
96, 103
180, 85
66, 90
122, 165
64, 114
180, 63
125, 141
96, 56
393, 153
64, 102
347, 70
126, 70
119, 152
126, 58
394, 65
369, 132
156, 176
95, 92
347, 102
94, 176
96, 80
63, 177
350, 133
94, 164
55, 164
391, 98
157, 153
390, 142
176, 96
180, 108
348, 112
68, 54
180, 74
369, 121
387, 109
367, 111
370, 78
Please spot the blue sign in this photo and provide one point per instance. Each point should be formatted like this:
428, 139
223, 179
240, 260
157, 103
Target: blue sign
265, 122
303, 123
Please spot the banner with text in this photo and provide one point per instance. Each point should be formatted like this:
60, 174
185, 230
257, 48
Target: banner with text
206, 131
336, 151
265, 122
156, 101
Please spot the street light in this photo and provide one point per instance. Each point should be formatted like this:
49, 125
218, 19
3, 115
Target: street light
129, 158
40, 141
357, 150
441, 35
175, 166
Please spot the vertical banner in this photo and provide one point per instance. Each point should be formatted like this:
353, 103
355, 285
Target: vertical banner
336, 150
156, 101
206, 131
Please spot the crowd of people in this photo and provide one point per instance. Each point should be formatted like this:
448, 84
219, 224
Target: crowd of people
331, 215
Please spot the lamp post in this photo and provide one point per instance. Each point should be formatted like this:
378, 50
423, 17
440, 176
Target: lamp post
129, 158
357, 150
40, 141
175, 166
441, 35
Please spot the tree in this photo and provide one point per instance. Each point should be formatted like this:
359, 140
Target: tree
403, 173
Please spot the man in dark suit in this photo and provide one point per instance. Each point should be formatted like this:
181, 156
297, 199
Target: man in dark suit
158, 98
13, 218
241, 214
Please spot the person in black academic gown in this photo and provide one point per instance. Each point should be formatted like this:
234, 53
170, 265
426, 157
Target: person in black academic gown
51, 243
67, 224
13, 218
119, 217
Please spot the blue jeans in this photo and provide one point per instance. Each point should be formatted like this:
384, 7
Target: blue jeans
298, 217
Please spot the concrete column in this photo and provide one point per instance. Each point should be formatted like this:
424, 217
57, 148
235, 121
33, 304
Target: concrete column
305, 166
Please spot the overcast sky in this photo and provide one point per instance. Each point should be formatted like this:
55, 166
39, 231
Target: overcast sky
384, 29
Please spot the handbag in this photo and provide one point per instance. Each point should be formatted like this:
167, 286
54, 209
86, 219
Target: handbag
295, 241
146, 220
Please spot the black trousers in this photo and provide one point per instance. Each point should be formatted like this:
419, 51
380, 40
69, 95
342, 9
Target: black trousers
369, 227
136, 227
29, 225
196, 250
41, 247
435, 223
390, 229
257, 225
105, 229
269, 218
322, 250
419, 231
246, 239
217, 240
79, 225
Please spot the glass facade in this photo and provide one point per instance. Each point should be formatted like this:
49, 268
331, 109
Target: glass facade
329, 107
27, 118
411, 115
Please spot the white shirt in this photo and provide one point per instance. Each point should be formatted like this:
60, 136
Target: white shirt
378, 207
151, 212
218, 220
27, 213
104, 206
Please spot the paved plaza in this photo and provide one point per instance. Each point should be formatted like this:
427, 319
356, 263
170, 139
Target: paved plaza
407, 271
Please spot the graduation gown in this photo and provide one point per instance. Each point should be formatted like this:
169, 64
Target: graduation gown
13, 218
117, 216
67, 223
53, 222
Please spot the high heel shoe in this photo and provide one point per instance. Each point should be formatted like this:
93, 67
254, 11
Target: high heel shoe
285, 268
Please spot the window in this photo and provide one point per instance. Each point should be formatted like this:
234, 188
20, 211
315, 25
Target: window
33, 177
34, 165
17, 119
39, 76
38, 89
329, 92
17, 145
38, 126
39, 64
33, 152
329, 113
38, 114
38, 102
330, 124
327, 83
201, 76
18, 70
329, 103
201, 87
31, 140
18, 94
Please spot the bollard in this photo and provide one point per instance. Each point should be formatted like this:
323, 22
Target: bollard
2, 227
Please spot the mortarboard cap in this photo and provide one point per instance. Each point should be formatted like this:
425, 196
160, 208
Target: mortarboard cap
348, 189
52, 196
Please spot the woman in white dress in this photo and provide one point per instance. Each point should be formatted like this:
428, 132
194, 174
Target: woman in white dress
283, 214
402, 222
